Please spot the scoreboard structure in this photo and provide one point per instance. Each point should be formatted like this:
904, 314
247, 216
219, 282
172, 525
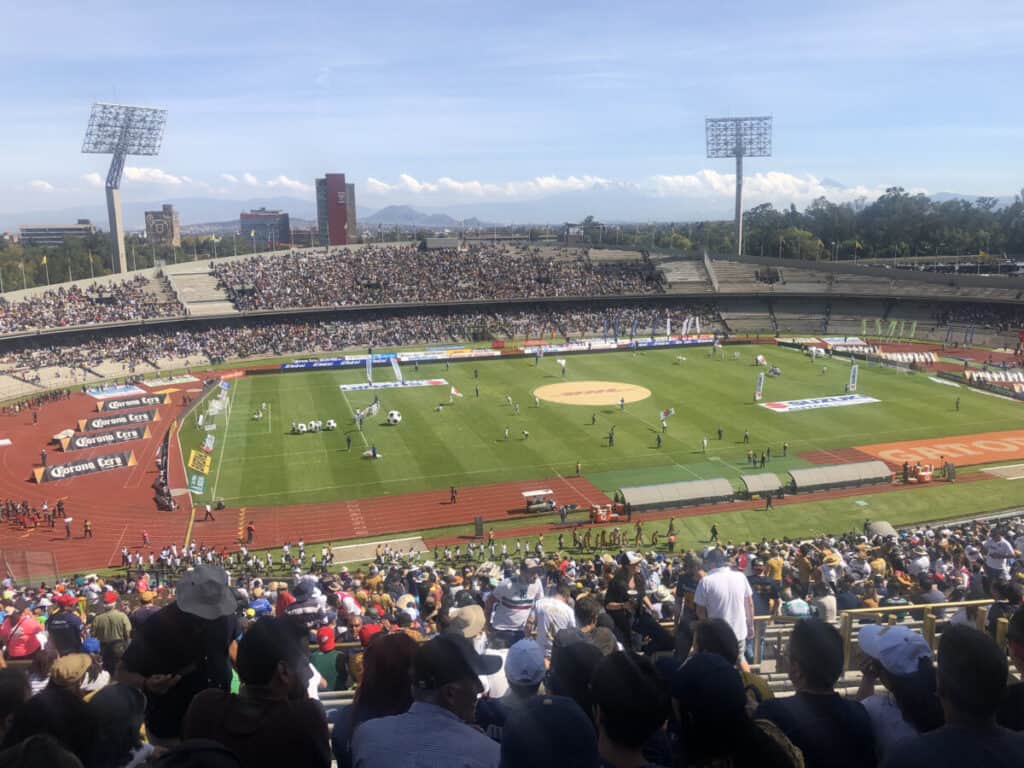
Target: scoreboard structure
162, 227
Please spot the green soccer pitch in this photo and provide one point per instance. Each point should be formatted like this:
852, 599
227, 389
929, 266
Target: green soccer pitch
259, 463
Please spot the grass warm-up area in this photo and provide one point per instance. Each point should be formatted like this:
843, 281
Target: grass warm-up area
446, 440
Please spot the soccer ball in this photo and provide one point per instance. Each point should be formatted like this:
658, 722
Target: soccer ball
394, 417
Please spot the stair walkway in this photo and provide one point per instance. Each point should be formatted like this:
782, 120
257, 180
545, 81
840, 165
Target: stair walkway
198, 291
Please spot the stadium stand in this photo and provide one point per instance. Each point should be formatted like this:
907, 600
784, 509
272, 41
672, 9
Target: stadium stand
856, 620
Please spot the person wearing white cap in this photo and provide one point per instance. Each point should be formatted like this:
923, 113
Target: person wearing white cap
524, 671
899, 659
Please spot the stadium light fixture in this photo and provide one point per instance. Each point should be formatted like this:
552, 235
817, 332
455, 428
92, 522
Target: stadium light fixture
121, 130
739, 137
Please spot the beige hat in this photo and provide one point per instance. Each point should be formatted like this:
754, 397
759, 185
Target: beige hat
68, 671
468, 621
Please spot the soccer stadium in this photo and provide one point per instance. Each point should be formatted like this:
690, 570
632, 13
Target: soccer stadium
674, 490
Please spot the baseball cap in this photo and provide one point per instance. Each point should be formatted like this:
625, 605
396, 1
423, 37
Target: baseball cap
367, 632
897, 648
325, 638
524, 663
110, 597
548, 731
449, 658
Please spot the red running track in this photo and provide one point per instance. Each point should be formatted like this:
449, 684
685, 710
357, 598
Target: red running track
120, 503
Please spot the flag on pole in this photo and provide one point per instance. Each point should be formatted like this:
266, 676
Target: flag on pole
43, 262
252, 233
852, 386
759, 389
369, 369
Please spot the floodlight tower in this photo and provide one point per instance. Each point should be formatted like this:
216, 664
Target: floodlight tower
739, 137
119, 130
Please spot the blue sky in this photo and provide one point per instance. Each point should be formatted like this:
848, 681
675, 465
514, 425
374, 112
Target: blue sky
446, 103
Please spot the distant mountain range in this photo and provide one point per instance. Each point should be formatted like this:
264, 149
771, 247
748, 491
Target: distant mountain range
407, 216
204, 215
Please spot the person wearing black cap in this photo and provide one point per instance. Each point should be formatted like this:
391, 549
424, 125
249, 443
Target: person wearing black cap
446, 682
183, 649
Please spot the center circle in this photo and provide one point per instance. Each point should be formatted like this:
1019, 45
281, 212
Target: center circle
592, 392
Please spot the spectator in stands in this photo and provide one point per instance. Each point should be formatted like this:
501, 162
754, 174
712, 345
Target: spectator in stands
716, 636
183, 649
1011, 709
41, 666
327, 660
119, 711
724, 593
40, 751
58, 710
552, 614
1007, 596
19, 632
971, 684
549, 732
384, 692
145, 610
14, 691
435, 730
824, 602
271, 721
306, 606
899, 659
64, 628
630, 706
828, 729
573, 662
524, 671
714, 727
113, 629
510, 604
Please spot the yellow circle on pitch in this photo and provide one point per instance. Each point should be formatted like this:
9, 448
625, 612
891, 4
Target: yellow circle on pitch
592, 392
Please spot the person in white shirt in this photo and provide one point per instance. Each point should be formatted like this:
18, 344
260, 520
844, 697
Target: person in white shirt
998, 553
920, 562
510, 604
551, 614
725, 594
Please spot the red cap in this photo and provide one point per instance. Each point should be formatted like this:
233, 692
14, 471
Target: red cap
110, 597
325, 638
65, 600
367, 632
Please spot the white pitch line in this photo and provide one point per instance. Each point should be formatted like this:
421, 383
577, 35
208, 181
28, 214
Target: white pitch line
270, 418
224, 442
352, 413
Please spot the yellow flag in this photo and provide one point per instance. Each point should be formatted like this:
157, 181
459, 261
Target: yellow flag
43, 262
252, 233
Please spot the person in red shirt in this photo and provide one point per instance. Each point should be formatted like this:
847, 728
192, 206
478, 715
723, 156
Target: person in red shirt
18, 633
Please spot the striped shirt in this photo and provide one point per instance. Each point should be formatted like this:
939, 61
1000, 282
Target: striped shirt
515, 600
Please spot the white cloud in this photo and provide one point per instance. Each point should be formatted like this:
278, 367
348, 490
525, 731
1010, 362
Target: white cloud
152, 176
775, 187
293, 185
41, 186
93, 179
229, 178
251, 180
539, 186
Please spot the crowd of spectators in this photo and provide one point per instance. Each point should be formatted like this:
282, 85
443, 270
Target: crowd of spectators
255, 338
565, 658
406, 274
998, 317
131, 299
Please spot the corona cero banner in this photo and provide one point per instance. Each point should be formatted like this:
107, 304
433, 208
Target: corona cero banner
118, 420
132, 402
100, 439
81, 467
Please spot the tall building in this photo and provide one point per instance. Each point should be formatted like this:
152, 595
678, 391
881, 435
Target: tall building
336, 210
269, 229
162, 227
55, 234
